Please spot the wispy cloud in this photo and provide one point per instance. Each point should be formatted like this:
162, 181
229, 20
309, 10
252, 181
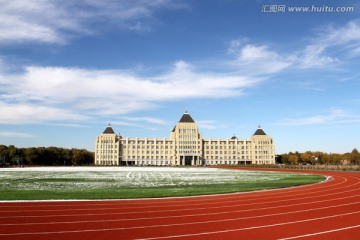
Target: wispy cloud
329, 47
20, 113
16, 135
140, 122
208, 124
146, 120
335, 115
57, 21
343, 40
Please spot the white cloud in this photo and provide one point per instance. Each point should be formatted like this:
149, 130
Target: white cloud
16, 135
54, 93
335, 115
57, 21
257, 59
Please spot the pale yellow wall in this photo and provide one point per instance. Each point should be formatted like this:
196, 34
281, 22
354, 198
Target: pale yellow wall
227, 151
107, 150
147, 151
185, 140
264, 149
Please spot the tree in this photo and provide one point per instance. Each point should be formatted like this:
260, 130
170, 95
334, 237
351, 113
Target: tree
82, 157
355, 156
46, 156
306, 157
285, 158
31, 156
293, 159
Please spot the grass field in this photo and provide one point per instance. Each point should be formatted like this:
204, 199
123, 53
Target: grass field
137, 182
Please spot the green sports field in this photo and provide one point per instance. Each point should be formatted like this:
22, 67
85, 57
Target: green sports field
47, 183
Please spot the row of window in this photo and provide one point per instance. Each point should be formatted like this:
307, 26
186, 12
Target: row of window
233, 157
263, 147
107, 141
153, 163
150, 142
147, 152
106, 151
107, 146
230, 162
189, 147
229, 142
263, 157
184, 130
98, 157
128, 158
161, 163
226, 152
106, 163
189, 142
146, 147
262, 152
227, 147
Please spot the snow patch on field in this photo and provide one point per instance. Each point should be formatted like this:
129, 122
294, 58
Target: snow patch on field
77, 178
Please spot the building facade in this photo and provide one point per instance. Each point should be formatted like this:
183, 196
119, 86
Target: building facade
185, 147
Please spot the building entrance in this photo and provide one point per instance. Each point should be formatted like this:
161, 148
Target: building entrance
187, 160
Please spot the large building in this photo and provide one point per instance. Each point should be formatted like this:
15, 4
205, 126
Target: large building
185, 147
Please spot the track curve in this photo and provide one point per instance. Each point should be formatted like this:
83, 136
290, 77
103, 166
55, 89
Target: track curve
330, 210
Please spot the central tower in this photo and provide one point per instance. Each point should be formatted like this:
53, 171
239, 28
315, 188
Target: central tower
188, 142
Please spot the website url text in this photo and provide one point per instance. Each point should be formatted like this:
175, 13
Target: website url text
306, 9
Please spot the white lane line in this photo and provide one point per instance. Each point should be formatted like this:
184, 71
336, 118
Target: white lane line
182, 224
320, 233
181, 210
249, 228
182, 235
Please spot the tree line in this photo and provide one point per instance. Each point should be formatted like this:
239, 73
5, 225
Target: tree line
49, 156
309, 157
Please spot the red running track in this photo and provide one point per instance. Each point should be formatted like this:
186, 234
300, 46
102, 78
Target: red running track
329, 210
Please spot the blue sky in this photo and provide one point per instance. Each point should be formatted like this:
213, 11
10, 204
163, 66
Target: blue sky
68, 68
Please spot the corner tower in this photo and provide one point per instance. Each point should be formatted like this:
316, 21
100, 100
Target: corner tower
263, 148
107, 147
